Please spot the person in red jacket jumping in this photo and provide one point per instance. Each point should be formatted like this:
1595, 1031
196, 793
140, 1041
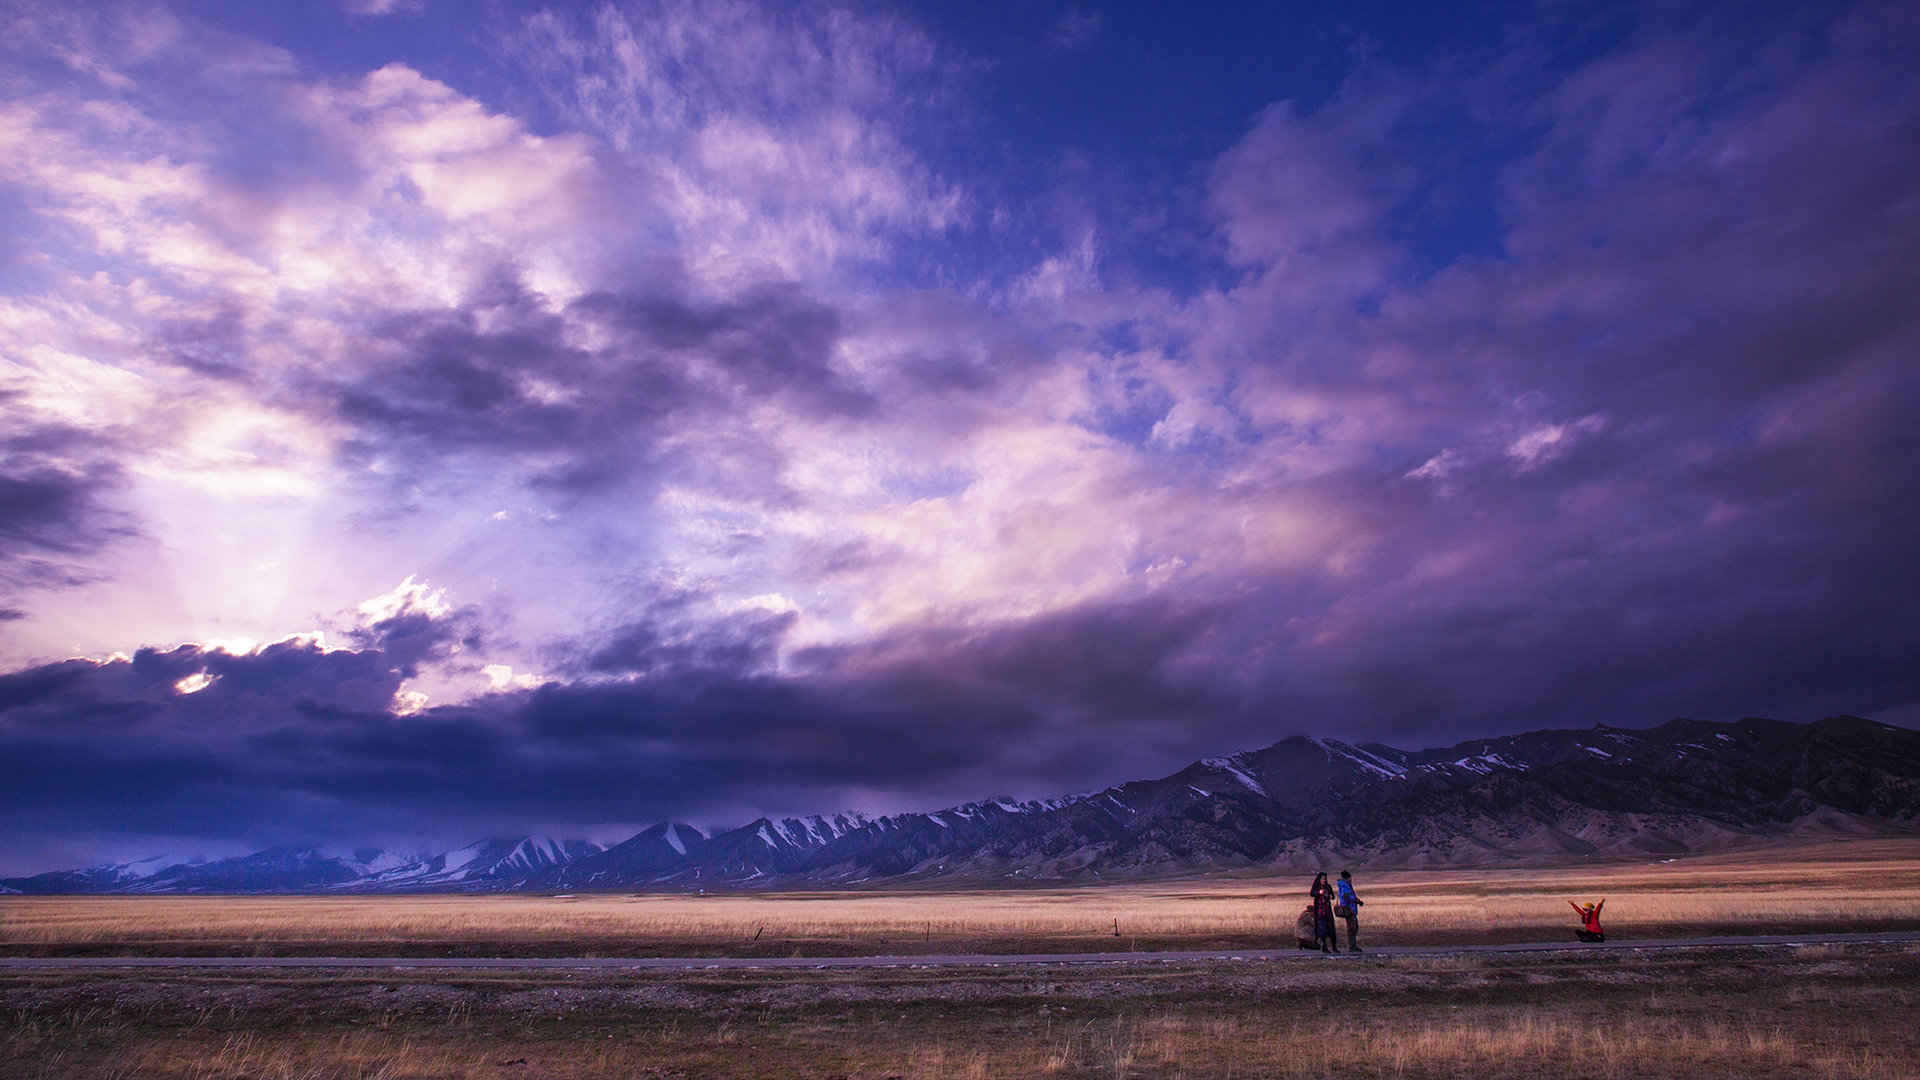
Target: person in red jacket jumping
1589, 921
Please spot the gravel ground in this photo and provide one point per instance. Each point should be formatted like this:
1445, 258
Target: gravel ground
341, 995
1777, 1012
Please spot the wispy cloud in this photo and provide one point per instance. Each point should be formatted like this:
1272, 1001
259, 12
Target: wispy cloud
1075, 29
385, 7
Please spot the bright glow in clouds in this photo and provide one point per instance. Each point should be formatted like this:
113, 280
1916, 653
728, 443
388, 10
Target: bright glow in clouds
716, 378
502, 677
408, 597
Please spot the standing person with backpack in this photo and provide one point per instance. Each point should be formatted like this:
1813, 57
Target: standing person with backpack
1349, 909
1323, 933
1304, 934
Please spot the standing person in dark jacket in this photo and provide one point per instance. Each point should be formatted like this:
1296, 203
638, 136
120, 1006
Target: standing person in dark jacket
1350, 909
1323, 932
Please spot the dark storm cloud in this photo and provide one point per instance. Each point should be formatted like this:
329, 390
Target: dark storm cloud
745, 641
673, 629
21, 689
252, 687
501, 377
115, 746
46, 508
1113, 661
410, 636
449, 384
296, 743
53, 479
941, 711
771, 341
56, 488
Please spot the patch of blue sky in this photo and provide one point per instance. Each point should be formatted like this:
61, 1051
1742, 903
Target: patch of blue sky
28, 262
1134, 423
907, 484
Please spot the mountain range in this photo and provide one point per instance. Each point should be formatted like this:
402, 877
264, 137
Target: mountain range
1540, 797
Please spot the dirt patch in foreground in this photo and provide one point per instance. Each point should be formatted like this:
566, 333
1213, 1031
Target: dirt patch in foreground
1828, 1010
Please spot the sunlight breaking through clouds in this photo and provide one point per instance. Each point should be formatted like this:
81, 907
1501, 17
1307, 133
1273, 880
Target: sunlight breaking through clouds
712, 377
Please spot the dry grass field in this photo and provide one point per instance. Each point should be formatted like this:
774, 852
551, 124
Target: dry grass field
1857, 885
1827, 1011
1747, 1011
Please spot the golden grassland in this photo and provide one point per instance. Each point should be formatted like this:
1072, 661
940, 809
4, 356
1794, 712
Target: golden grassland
1867, 884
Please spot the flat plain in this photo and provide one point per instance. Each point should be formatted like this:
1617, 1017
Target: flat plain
1859, 885
1824, 1010
1840, 1011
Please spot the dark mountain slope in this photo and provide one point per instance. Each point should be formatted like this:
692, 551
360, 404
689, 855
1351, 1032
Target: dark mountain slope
1541, 796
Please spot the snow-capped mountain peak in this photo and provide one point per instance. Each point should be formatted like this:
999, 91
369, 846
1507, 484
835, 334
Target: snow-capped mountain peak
1538, 795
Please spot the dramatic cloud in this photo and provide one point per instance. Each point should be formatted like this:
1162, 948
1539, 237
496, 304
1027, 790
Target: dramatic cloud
775, 409
55, 504
294, 739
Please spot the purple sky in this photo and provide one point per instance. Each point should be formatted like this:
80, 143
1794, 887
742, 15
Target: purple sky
425, 418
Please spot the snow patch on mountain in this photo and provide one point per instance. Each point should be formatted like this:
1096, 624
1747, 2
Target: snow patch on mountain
1231, 766
381, 861
533, 853
1372, 762
1484, 764
140, 869
460, 858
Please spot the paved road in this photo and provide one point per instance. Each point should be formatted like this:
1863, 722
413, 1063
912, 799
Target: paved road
688, 963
